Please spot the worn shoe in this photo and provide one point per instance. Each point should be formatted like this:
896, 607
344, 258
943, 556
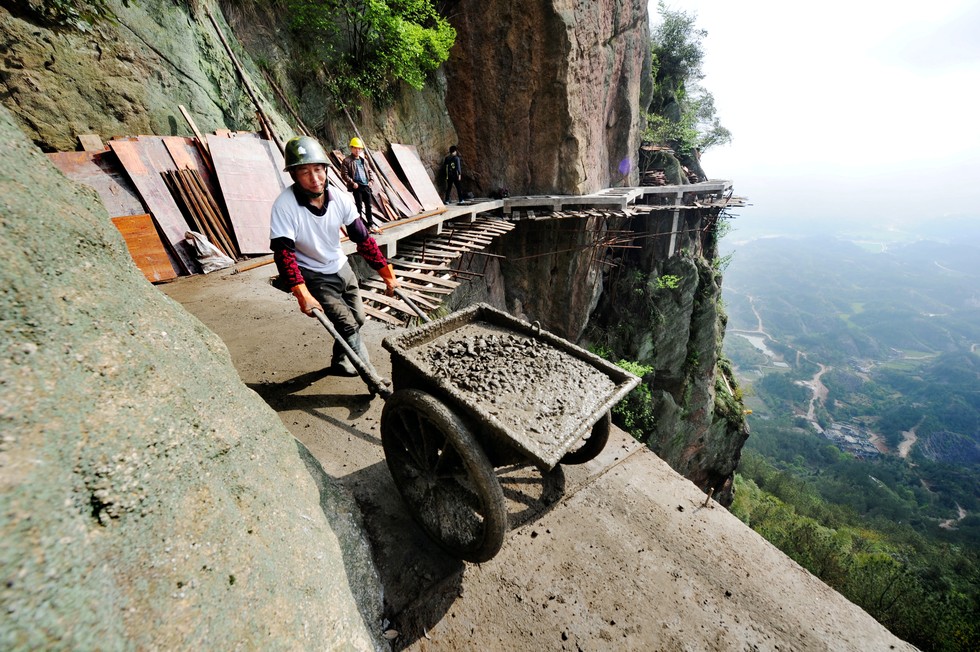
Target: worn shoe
342, 367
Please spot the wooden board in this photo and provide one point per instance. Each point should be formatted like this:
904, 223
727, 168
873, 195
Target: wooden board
401, 198
91, 142
145, 247
449, 284
380, 315
144, 162
251, 178
416, 176
187, 156
101, 171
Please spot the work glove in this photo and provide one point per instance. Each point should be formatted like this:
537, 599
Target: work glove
306, 301
388, 276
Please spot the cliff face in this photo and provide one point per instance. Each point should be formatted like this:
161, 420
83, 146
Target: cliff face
668, 316
545, 96
122, 77
652, 305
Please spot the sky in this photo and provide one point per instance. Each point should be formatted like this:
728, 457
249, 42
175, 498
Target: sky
845, 109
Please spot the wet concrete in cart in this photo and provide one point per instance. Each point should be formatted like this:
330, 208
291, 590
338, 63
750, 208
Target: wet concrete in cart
531, 387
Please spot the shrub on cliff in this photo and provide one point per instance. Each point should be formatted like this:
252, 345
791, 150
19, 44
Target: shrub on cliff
681, 113
369, 45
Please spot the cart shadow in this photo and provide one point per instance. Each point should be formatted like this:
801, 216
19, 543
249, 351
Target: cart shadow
421, 581
528, 487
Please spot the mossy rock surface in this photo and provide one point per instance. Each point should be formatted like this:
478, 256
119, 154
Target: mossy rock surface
149, 499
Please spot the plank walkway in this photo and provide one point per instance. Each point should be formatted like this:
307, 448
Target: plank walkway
424, 249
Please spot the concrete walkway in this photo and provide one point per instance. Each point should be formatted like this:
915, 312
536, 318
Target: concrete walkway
619, 553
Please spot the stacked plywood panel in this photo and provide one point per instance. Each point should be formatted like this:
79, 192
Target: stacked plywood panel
222, 187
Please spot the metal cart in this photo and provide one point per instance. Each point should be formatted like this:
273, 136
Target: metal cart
444, 429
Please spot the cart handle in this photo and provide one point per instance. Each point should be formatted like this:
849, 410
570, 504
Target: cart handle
411, 304
372, 380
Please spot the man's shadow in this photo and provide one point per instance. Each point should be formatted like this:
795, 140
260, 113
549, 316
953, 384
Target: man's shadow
284, 396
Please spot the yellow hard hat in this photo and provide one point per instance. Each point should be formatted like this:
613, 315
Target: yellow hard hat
356, 142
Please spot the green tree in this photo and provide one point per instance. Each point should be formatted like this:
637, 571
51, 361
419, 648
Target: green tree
634, 413
369, 45
681, 113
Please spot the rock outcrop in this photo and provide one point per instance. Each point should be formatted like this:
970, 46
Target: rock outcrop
664, 311
122, 77
148, 499
545, 96
658, 305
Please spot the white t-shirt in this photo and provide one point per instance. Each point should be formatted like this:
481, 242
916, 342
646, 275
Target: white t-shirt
317, 238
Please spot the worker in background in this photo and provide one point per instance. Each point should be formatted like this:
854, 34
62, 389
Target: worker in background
305, 241
357, 175
453, 165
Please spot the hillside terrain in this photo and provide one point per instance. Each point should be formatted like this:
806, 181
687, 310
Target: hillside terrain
882, 344
859, 357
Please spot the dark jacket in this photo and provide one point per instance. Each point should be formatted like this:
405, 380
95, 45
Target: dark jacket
347, 171
453, 165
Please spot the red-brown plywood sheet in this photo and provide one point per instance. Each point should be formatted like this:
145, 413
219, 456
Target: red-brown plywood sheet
144, 161
404, 201
418, 179
101, 171
251, 177
145, 247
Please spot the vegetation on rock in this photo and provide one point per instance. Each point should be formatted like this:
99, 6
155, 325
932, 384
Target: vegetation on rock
682, 113
368, 46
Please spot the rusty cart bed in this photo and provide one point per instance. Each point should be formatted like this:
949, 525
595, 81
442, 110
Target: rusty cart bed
480, 389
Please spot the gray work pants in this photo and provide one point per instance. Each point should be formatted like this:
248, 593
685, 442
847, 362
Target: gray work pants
340, 297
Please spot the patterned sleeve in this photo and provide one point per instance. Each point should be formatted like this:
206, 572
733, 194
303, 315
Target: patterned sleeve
284, 253
367, 247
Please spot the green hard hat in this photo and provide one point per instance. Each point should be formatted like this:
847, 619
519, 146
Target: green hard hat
304, 150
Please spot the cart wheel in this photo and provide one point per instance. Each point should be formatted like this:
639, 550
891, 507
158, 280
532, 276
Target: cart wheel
443, 475
592, 444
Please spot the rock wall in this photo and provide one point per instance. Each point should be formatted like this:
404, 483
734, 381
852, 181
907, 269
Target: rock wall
545, 96
552, 272
123, 77
148, 499
662, 308
542, 98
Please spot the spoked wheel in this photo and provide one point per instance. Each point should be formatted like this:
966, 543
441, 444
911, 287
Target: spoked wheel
443, 475
592, 444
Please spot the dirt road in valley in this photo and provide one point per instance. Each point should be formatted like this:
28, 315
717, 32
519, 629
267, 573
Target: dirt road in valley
820, 392
618, 553
908, 440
